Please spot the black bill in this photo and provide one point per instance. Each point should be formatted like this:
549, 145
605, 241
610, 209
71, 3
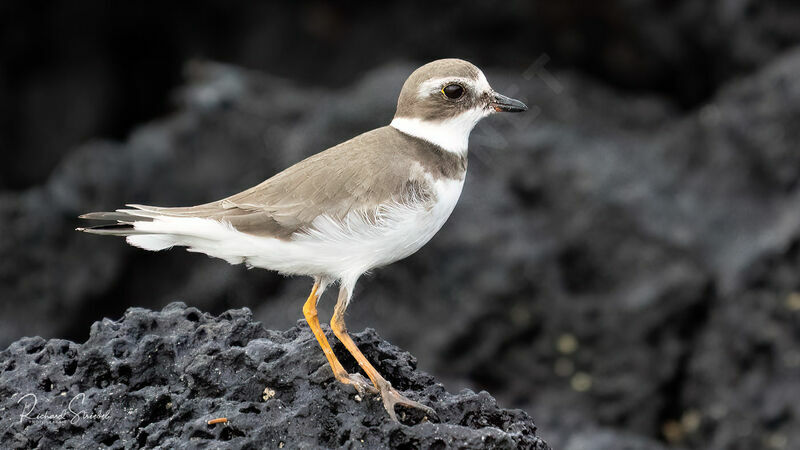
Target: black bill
501, 103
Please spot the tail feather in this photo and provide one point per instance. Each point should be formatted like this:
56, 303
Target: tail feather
117, 229
154, 228
124, 226
123, 216
152, 242
142, 227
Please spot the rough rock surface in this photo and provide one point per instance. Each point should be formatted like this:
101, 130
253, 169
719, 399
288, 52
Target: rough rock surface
614, 264
156, 379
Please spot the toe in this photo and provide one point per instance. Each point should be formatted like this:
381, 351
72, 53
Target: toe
392, 398
361, 384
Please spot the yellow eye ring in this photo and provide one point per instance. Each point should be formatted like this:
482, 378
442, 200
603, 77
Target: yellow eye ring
453, 91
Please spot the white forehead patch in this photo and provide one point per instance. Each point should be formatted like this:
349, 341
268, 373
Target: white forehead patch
483, 83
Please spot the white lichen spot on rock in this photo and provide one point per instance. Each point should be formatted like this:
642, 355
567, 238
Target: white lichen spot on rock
776, 441
793, 301
690, 420
581, 382
567, 344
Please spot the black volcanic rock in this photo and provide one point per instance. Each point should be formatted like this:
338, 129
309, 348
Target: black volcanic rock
156, 379
613, 264
88, 70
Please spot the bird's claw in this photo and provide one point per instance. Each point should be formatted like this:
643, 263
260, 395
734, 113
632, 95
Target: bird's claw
391, 398
361, 384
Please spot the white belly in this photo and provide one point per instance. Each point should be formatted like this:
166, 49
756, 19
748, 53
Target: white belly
352, 247
336, 249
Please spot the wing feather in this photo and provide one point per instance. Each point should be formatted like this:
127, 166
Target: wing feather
357, 175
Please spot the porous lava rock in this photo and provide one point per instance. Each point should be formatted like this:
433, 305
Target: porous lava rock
155, 379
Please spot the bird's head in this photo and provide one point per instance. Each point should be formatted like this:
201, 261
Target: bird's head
443, 100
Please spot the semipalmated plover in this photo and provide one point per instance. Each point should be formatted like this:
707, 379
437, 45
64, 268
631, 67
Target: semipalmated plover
362, 204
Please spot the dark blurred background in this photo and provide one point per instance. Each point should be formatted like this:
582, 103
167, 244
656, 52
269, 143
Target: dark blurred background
624, 263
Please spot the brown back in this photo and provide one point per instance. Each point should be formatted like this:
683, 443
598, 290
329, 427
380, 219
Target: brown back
358, 175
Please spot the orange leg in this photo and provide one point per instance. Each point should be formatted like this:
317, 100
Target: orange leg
389, 395
310, 313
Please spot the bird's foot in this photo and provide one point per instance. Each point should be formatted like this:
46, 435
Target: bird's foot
361, 384
391, 398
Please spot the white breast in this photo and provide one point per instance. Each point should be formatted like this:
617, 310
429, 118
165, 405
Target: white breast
357, 244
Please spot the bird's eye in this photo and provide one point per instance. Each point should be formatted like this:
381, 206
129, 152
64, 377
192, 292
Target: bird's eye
453, 91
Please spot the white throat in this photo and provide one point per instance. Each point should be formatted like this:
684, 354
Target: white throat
450, 134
